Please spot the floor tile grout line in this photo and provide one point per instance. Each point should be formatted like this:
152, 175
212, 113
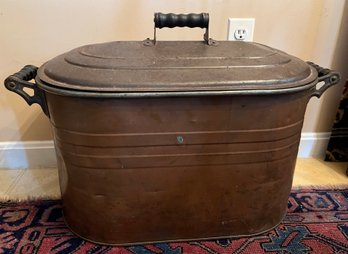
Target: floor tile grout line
15, 182
24, 187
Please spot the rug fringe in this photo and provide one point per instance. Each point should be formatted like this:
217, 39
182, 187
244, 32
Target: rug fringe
29, 198
320, 187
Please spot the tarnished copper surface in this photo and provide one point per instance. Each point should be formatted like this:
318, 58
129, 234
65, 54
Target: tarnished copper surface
164, 141
144, 170
131, 66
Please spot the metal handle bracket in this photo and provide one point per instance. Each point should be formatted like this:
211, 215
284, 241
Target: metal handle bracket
327, 76
20, 80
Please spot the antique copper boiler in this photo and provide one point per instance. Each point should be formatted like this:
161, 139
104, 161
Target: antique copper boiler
174, 140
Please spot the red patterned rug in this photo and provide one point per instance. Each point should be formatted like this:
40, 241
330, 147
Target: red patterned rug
316, 222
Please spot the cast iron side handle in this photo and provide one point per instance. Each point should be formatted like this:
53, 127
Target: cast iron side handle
183, 20
327, 76
18, 81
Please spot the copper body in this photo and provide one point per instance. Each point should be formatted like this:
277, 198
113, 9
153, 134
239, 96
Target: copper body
158, 169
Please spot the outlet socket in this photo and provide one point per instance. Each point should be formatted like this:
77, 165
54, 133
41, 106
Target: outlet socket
240, 29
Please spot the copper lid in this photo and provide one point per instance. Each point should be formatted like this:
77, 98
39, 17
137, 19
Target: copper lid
129, 66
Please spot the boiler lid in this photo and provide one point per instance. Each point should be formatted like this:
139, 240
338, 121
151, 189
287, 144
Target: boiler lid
175, 66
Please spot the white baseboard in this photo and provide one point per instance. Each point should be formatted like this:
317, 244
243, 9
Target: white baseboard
27, 154
313, 144
41, 154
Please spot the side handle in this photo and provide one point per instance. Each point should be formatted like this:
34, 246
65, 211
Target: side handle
327, 76
20, 80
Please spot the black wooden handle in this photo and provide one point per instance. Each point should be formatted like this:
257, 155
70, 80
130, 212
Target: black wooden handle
321, 70
181, 20
27, 73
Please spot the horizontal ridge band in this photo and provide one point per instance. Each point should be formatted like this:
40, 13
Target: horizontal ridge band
168, 160
174, 138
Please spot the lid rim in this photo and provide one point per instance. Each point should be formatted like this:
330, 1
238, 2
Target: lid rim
207, 86
137, 94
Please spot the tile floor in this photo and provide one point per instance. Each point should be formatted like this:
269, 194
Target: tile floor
43, 183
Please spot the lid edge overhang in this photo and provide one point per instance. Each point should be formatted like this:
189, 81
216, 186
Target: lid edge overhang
95, 94
275, 85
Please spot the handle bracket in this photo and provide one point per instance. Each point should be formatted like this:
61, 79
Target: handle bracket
327, 76
20, 80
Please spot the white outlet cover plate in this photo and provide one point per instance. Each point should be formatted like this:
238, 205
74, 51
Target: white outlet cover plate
241, 23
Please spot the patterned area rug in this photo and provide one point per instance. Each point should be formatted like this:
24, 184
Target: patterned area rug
316, 222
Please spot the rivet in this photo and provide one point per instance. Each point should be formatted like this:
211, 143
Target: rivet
333, 79
180, 139
12, 85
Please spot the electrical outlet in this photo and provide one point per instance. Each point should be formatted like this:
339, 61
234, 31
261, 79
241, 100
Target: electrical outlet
240, 29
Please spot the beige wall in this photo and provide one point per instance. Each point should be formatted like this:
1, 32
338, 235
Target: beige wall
32, 32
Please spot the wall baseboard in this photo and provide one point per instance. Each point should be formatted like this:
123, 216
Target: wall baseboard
27, 154
41, 154
313, 144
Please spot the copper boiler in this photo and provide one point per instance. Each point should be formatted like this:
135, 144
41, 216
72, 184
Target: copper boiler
174, 140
